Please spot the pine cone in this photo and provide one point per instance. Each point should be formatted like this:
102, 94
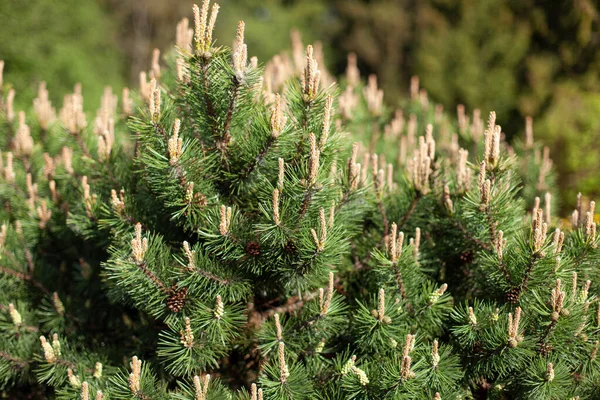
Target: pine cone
466, 257
253, 249
200, 199
512, 296
176, 300
290, 248
544, 349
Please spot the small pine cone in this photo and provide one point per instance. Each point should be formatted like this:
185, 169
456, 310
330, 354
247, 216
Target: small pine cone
290, 248
466, 257
565, 312
200, 200
477, 347
485, 385
512, 296
544, 349
177, 297
253, 249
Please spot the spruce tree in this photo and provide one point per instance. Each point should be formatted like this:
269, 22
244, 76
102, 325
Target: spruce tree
239, 231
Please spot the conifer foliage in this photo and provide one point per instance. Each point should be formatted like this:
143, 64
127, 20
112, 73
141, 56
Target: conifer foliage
217, 235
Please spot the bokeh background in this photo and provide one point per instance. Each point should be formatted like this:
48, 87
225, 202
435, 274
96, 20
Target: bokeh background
517, 57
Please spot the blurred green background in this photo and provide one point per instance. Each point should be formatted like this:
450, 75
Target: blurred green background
517, 57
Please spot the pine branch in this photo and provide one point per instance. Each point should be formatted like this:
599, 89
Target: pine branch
24, 277
226, 137
546, 336
82, 145
400, 283
386, 228
534, 258
67, 363
504, 270
411, 208
160, 130
485, 247
159, 284
258, 159
142, 396
306, 111
28, 257
17, 362
213, 277
308, 195
491, 224
293, 304
207, 101
472, 238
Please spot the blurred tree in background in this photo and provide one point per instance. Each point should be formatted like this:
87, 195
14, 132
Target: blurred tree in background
148, 24
521, 58
538, 58
572, 125
471, 52
61, 42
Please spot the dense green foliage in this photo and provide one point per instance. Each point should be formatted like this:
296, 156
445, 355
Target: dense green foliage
291, 237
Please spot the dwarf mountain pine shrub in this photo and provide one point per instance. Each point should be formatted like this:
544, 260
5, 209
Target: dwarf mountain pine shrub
240, 231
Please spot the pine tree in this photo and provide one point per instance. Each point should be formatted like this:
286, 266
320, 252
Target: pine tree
235, 231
